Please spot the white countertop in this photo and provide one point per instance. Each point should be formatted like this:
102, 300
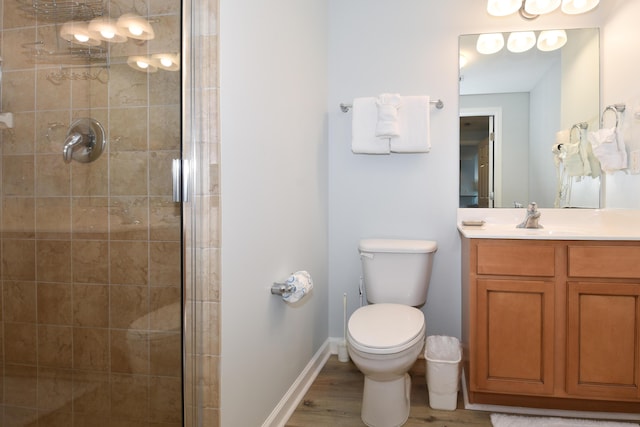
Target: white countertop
558, 224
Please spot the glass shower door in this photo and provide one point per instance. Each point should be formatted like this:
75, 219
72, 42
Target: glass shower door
90, 243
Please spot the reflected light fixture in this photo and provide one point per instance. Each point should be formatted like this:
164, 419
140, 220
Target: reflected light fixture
106, 29
490, 43
574, 7
78, 32
135, 27
142, 63
167, 61
503, 7
462, 61
551, 40
521, 41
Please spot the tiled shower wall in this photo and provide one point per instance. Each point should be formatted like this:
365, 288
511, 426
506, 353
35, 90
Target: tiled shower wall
90, 253
202, 222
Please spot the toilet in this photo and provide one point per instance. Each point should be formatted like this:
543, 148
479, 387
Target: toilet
385, 337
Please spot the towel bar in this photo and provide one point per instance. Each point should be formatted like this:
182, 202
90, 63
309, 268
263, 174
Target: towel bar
345, 108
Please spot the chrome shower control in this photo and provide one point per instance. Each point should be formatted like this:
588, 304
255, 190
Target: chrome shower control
85, 141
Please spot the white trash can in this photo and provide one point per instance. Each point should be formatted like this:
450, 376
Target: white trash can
443, 355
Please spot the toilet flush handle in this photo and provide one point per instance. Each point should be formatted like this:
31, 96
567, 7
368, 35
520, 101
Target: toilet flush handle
366, 255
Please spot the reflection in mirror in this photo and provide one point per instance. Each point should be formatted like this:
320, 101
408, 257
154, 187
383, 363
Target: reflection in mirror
515, 108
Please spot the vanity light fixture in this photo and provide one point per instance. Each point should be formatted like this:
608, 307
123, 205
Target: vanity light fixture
78, 32
531, 9
167, 61
551, 40
574, 7
503, 7
135, 26
106, 29
521, 41
142, 63
540, 7
490, 43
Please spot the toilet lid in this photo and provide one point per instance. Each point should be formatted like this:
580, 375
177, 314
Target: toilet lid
385, 328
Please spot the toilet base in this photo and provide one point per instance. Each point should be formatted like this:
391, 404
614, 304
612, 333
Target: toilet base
386, 403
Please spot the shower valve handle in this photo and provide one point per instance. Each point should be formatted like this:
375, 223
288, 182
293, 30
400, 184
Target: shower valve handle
72, 142
85, 141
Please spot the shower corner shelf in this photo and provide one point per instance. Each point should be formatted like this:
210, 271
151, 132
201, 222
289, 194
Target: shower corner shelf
62, 11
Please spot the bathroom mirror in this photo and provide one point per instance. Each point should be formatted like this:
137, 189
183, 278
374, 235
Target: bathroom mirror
511, 107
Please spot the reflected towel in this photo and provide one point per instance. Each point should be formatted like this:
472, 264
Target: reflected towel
609, 148
414, 126
363, 128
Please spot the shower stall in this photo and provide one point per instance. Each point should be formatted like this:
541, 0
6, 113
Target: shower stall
91, 232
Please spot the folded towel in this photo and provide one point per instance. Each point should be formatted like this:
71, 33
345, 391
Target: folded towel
388, 104
608, 146
414, 126
363, 131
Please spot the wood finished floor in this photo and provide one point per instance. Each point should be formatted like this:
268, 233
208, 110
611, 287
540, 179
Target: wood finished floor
335, 398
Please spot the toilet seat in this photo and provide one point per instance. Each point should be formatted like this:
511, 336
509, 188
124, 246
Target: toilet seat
385, 328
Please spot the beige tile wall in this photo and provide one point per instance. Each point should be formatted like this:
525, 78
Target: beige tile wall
202, 369
90, 254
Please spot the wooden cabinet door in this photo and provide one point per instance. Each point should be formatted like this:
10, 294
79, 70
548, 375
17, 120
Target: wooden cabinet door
515, 330
603, 340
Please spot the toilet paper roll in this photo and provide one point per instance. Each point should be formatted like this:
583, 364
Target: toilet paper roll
300, 284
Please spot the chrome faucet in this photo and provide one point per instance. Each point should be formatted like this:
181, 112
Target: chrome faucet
533, 215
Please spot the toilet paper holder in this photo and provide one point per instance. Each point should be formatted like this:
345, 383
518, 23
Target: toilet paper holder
282, 288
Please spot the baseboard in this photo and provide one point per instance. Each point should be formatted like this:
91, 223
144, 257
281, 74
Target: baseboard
541, 412
289, 402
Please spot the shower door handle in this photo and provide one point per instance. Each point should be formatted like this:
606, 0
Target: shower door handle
180, 175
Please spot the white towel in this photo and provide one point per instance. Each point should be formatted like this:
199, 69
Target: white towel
363, 131
387, 126
414, 126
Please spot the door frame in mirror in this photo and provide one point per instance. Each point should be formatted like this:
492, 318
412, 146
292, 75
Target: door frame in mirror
495, 151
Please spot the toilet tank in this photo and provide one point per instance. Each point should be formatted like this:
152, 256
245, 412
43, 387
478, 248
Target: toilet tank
397, 271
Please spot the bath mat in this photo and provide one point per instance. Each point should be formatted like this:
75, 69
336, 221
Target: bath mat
502, 420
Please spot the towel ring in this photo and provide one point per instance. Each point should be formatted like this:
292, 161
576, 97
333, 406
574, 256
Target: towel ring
580, 126
616, 108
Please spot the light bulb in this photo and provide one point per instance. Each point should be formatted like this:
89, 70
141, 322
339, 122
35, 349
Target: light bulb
142, 64
167, 62
107, 34
135, 30
81, 38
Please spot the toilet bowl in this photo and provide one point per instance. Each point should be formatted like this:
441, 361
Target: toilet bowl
384, 341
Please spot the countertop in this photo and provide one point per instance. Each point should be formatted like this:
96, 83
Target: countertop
558, 224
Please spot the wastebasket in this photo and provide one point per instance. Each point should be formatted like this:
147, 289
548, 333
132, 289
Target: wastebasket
443, 355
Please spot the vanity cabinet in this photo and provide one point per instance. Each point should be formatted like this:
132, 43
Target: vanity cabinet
603, 319
552, 323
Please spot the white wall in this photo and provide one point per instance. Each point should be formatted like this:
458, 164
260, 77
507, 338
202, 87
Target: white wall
545, 122
620, 71
409, 47
274, 197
